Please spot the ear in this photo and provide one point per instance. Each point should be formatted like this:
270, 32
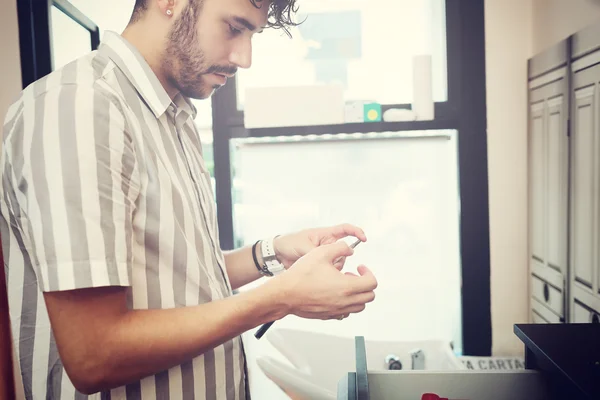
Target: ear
167, 7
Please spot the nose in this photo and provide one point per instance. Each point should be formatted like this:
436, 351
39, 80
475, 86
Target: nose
241, 55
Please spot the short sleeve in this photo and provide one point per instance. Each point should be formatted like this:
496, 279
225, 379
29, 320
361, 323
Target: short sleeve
74, 184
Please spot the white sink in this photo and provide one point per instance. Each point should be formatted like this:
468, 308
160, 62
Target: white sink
318, 361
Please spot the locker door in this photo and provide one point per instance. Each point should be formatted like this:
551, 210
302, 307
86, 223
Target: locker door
557, 184
585, 188
537, 179
549, 157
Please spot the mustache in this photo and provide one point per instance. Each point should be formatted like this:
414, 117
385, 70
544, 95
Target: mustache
221, 69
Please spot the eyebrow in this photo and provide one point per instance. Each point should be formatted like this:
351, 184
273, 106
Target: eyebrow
247, 24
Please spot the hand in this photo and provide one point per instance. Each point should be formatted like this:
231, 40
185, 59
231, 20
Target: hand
289, 248
315, 289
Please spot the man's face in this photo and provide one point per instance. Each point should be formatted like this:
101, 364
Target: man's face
209, 42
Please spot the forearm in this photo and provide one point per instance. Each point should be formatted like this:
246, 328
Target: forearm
240, 266
144, 342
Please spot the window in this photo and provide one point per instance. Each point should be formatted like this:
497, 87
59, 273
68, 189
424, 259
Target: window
109, 15
204, 125
353, 43
51, 34
400, 187
70, 40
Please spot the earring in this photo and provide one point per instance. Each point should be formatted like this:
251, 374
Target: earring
169, 12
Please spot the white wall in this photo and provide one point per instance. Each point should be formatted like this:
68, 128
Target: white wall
10, 77
554, 20
508, 45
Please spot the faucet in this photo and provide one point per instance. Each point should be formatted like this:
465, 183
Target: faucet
393, 362
418, 359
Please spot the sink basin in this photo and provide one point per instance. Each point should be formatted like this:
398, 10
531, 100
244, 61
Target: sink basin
317, 361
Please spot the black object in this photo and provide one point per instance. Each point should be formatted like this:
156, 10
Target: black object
263, 329
393, 362
568, 354
546, 292
395, 365
254, 256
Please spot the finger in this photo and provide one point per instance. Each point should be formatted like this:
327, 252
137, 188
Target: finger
339, 316
343, 230
362, 298
339, 263
350, 274
329, 316
353, 309
336, 250
366, 283
356, 302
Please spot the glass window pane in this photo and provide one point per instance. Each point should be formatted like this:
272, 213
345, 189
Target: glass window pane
111, 15
69, 39
367, 46
204, 124
402, 189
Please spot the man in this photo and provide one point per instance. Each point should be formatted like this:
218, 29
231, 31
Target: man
117, 284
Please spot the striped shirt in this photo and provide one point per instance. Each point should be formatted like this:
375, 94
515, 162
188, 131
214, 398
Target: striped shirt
104, 184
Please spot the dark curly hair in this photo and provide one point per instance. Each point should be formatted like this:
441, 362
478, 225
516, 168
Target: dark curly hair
280, 15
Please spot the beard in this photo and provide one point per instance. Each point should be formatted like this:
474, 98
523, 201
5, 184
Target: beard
184, 63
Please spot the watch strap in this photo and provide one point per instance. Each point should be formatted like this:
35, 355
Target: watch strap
270, 261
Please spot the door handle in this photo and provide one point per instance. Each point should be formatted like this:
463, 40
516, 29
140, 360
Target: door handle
546, 292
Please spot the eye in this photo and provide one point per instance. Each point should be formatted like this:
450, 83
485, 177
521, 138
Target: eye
233, 30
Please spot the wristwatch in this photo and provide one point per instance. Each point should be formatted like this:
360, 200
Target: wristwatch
271, 265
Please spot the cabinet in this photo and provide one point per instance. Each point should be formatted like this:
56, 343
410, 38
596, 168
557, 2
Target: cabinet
548, 183
564, 180
585, 190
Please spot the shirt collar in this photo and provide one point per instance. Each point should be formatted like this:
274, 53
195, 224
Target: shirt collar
185, 104
129, 60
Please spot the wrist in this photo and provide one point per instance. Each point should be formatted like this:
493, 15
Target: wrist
276, 294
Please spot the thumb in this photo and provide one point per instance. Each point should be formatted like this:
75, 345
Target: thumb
369, 282
339, 263
336, 250
363, 270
